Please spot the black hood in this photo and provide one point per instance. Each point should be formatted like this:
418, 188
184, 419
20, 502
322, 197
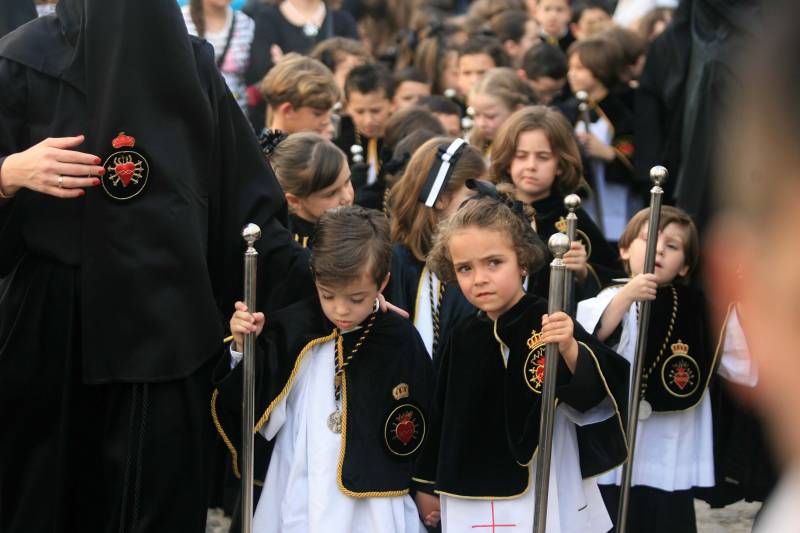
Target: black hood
15, 13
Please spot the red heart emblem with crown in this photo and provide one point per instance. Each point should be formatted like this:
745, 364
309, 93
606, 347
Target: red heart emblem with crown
681, 378
125, 172
405, 431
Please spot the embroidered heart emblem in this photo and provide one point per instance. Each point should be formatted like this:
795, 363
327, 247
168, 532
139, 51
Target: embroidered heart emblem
681, 378
125, 172
405, 431
540, 370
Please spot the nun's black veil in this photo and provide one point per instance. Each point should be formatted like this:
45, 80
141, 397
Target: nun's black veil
15, 13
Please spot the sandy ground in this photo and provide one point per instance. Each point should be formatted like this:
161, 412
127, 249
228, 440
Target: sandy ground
736, 518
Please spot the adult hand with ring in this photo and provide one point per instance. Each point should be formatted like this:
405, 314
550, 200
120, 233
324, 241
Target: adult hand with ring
51, 167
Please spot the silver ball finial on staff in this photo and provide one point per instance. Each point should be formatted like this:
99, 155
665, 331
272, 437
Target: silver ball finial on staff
571, 202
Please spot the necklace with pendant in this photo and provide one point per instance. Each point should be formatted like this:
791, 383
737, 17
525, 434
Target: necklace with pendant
310, 29
335, 418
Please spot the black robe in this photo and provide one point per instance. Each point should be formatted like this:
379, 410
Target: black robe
111, 312
603, 260
403, 291
370, 195
391, 355
485, 419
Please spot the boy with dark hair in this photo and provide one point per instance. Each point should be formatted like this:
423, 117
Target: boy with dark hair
590, 17
477, 55
368, 92
544, 67
554, 17
342, 390
447, 111
410, 84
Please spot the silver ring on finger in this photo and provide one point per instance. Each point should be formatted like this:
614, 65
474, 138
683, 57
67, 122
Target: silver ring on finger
61, 182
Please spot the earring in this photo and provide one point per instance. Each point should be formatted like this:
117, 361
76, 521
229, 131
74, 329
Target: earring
376, 306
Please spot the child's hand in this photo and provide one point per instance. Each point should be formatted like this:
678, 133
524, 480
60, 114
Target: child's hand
428, 507
595, 147
642, 287
575, 260
558, 328
243, 323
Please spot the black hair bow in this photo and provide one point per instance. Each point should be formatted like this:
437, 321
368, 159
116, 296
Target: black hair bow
270, 139
487, 189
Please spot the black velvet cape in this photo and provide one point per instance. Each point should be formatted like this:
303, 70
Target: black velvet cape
392, 354
603, 260
485, 425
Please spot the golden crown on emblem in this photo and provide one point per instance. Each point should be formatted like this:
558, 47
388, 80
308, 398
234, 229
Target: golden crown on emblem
561, 225
680, 347
400, 391
536, 338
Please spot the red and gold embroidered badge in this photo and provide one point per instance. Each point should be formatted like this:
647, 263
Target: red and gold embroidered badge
534, 364
404, 430
625, 147
126, 170
680, 373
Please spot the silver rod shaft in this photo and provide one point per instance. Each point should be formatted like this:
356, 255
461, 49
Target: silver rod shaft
559, 244
251, 233
571, 202
659, 175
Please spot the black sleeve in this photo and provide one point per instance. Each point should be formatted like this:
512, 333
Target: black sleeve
13, 117
598, 373
271, 370
246, 191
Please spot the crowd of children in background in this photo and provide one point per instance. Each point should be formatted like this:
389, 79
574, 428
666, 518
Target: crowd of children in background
426, 155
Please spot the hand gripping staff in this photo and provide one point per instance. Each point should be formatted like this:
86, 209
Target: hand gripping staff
251, 233
558, 244
658, 175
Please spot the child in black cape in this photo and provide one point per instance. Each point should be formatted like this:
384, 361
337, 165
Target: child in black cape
341, 388
485, 424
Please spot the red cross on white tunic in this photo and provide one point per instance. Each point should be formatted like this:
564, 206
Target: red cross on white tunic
494, 525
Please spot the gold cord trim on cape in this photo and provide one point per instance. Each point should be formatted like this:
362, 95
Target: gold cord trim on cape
225, 438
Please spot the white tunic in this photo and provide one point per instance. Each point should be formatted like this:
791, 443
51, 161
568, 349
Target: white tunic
574, 504
423, 314
300, 493
674, 450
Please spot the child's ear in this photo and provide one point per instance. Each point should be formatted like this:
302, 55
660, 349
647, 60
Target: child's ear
285, 108
293, 201
624, 254
683, 271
